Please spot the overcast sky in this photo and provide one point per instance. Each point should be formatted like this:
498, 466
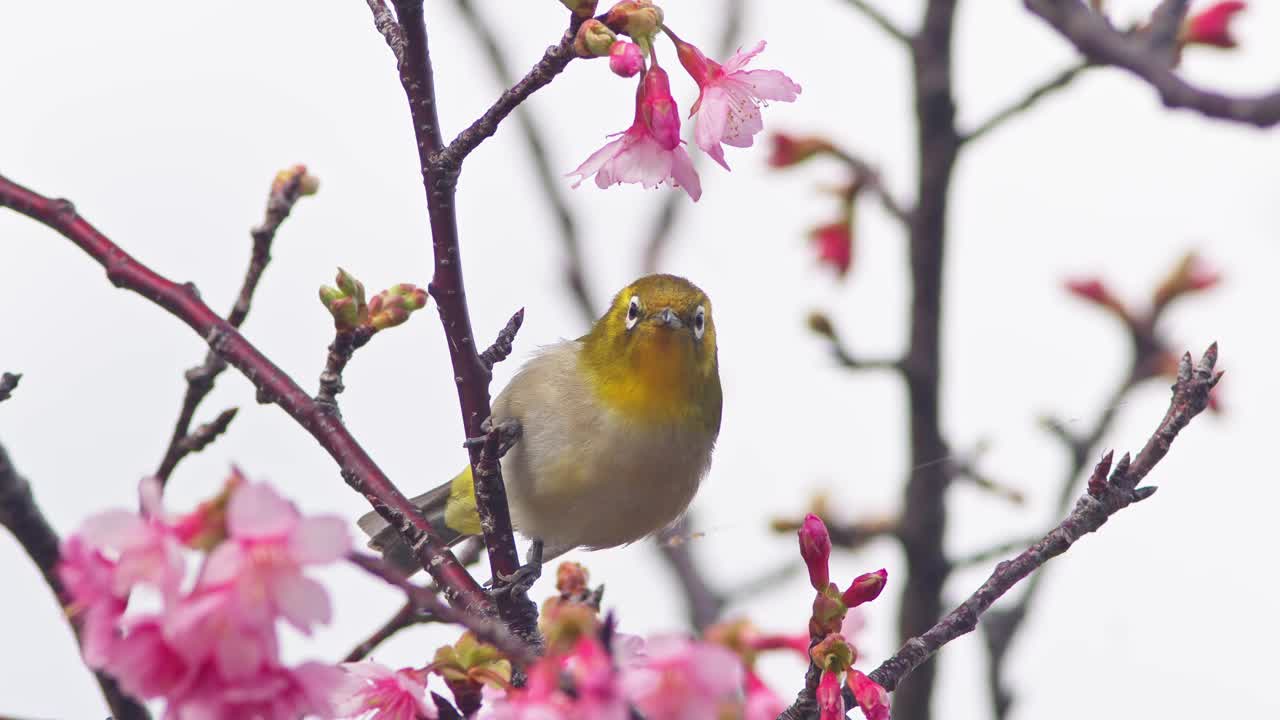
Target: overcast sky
164, 123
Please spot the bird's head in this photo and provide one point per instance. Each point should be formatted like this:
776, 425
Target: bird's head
652, 355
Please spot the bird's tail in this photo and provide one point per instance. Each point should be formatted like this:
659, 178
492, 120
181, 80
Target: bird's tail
451, 510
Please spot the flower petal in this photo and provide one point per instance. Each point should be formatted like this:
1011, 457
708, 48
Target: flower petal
257, 511
320, 540
770, 84
301, 600
740, 59
684, 174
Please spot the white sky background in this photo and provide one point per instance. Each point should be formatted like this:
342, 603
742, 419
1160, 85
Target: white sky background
165, 123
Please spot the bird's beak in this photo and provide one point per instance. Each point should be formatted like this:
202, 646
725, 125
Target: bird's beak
667, 317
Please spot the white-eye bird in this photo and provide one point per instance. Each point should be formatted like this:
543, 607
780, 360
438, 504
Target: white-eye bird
617, 430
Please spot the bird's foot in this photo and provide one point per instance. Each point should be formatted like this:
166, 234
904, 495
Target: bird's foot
508, 431
519, 582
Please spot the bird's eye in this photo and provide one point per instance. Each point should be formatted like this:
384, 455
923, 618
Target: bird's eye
699, 322
633, 312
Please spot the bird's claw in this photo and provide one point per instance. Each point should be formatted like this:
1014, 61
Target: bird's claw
509, 432
521, 581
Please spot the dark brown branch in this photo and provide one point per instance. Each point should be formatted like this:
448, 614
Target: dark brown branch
1162, 32
882, 21
425, 600
1027, 101
200, 379
664, 219
1110, 491
8, 383
272, 383
344, 345
407, 616
547, 179
20, 515
1103, 44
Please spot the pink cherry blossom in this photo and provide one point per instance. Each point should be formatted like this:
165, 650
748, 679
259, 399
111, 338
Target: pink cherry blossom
89, 580
225, 628
873, 699
143, 546
539, 699
645, 154
143, 661
762, 703
385, 694
267, 546
678, 679
728, 105
275, 693
597, 682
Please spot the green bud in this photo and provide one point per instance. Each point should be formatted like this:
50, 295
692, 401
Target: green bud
393, 306
346, 302
834, 653
593, 40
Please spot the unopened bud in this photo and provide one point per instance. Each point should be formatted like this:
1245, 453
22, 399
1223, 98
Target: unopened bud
564, 623
865, 588
1097, 292
789, 150
626, 59
821, 324
833, 653
1212, 26
593, 40
815, 548
307, 184
346, 302
640, 19
830, 697
1192, 274
393, 306
828, 613
581, 8
870, 696
571, 579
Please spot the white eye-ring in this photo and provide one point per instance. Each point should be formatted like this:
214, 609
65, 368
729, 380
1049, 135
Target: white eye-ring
699, 322
633, 312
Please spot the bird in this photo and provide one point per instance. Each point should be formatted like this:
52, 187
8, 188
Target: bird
616, 431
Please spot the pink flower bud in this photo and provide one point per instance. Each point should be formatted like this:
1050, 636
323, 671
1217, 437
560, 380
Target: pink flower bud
625, 59
828, 614
865, 588
815, 548
1191, 275
830, 697
789, 150
873, 699
1212, 26
834, 243
659, 110
1097, 292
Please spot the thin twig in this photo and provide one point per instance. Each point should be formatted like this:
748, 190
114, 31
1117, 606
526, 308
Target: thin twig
272, 383
1111, 491
425, 600
1027, 101
870, 178
344, 345
1103, 44
20, 514
200, 379
8, 383
1162, 32
882, 21
548, 181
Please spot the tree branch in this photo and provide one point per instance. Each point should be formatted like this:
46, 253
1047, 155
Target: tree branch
882, 21
344, 345
548, 181
8, 383
1102, 44
273, 384
20, 515
201, 378
1110, 491
1033, 96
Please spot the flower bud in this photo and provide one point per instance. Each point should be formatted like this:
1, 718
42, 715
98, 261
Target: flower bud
821, 324
1212, 26
865, 588
564, 623
1190, 275
206, 526
833, 653
830, 697
815, 548
307, 184
1097, 292
834, 243
789, 150
640, 19
581, 8
873, 699
626, 59
828, 613
593, 40
571, 579
393, 306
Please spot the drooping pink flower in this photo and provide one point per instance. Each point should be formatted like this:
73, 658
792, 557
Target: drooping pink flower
143, 661
385, 694
89, 580
1212, 26
679, 679
625, 59
728, 105
274, 693
830, 697
761, 702
649, 152
268, 545
143, 546
873, 699
834, 243
815, 548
